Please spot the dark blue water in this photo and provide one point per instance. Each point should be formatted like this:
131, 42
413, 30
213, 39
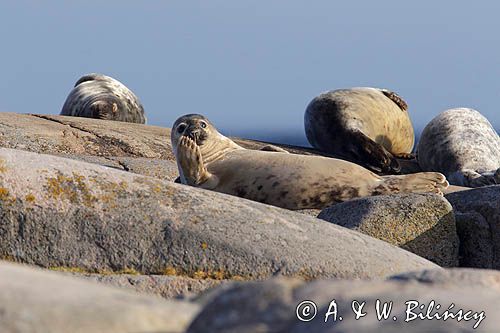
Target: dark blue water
284, 137
295, 138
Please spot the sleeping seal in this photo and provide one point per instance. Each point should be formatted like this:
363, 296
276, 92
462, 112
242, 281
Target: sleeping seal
462, 144
368, 126
102, 97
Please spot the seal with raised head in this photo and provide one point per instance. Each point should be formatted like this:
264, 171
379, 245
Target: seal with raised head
102, 97
209, 160
462, 144
368, 126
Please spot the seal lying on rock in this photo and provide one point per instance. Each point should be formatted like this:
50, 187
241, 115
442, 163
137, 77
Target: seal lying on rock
209, 160
462, 144
102, 97
368, 126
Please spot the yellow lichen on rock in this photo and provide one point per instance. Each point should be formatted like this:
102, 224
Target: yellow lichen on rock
73, 188
5, 195
29, 198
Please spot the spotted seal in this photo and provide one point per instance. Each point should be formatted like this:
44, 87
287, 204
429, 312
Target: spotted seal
462, 144
368, 126
102, 97
209, 160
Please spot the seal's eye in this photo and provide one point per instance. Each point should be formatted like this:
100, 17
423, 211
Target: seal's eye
203, 124
181, 128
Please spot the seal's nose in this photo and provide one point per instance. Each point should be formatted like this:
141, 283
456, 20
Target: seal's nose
193, 132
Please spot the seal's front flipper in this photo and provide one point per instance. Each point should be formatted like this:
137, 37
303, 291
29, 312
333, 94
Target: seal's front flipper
370, 154
274, 149
190, 162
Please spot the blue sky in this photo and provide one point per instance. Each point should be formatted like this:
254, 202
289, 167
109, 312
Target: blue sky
252, 66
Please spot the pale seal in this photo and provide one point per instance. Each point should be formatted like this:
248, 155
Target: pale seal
102, 97
462, 144
209, 160
368, 126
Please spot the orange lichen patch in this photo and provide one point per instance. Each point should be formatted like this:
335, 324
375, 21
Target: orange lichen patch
9, 258
306, 274
218, 275
170, 271
123, 185
5, 195
68, 269
73, 188
30, 198
199, 275
157, 189
238, 278
129, 271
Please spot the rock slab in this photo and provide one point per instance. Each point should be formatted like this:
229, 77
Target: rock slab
32, 300
57, 212
420, 223
273, 305
478, 226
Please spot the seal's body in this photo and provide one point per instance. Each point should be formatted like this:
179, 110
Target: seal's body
368, 126
102, 97
210, 160
462, 144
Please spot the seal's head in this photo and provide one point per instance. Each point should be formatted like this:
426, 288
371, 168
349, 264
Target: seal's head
197, 127
194, 126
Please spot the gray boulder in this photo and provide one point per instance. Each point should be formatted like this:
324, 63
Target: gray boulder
272, 306
478, 226
32, 300
58, 212
420, 223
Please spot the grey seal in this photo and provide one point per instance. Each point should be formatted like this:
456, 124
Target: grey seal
102, 97
368, 126
462, 144
209, 160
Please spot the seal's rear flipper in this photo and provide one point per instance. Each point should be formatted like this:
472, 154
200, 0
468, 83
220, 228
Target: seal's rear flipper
274, 149
405, 156
370, 154
471, 178
422, 182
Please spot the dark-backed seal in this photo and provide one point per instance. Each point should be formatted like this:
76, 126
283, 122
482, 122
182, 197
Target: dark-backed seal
102, 97
368, 126
462, 144
209, 160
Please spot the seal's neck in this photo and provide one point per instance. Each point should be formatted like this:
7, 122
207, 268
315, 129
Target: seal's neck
214, 150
